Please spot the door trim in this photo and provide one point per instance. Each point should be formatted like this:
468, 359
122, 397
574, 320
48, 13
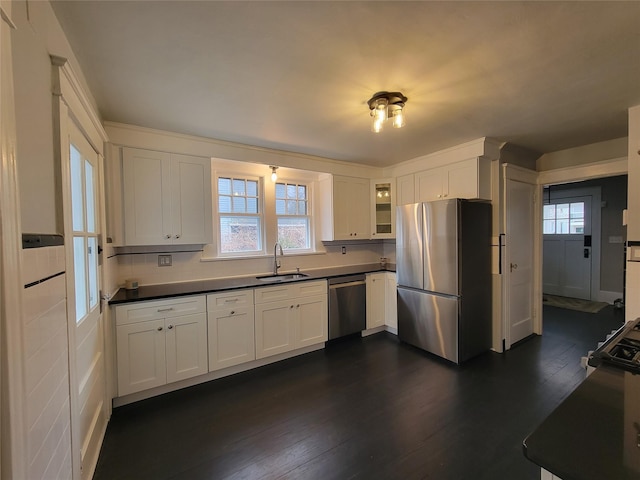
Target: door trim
520, 174
71, 105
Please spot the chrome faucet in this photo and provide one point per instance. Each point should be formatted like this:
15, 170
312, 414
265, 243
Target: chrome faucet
276, 262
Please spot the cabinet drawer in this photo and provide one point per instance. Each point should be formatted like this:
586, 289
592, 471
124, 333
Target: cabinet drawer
290, 290
240, 298
173, 307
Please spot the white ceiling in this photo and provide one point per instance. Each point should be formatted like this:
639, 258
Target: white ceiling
296, 75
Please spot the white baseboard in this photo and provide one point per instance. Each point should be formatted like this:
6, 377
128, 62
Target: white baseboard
609, 297
371, 331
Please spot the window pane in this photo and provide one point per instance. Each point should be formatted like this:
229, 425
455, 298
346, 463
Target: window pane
293, 233
577, 210
92, 259
562, 226
224, 186
549, 212
79, 253
302, 208
302, 192
89, 192
562, 210
576, 225
280, 190
239, 205
280, 207
238, 187
548, 227
224, 204
252, 188
292, 207
240, 234
77, 198
291, 191
252, 205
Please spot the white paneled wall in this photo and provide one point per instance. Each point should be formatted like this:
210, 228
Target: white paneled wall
47, 365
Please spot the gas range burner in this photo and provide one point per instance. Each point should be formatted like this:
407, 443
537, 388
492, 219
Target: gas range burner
622, 350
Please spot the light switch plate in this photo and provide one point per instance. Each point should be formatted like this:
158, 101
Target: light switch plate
164, 260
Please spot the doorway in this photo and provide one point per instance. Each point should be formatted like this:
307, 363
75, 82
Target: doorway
583, 239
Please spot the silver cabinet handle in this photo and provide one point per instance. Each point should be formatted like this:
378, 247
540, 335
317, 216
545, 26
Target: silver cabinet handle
165, 309
159, 329
170, 327
178, 236
167, 236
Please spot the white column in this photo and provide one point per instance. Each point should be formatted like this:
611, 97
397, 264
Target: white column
633, 214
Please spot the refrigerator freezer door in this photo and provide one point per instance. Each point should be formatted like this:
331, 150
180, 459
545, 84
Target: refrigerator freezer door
429, 322
440, 227
409, 257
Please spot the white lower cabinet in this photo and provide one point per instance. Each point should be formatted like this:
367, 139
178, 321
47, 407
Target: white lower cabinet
290, 316
160, 342
375, 299
231, 328
381, 300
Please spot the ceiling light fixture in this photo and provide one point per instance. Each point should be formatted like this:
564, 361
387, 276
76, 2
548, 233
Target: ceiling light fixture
384, 106
274, 175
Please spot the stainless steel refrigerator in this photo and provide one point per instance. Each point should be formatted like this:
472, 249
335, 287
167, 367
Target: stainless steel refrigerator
443, 264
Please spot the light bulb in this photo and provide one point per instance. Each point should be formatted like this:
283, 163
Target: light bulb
274, 175
398, 118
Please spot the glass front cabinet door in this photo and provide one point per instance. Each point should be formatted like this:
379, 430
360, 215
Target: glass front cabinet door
383, 211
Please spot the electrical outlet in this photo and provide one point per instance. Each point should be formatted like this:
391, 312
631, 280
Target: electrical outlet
344, 250
164, 260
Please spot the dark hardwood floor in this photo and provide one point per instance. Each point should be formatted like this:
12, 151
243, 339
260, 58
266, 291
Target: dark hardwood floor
370, 408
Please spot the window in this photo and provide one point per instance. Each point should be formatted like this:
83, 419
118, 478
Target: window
563, 219
85, 233
239, 213
292, 212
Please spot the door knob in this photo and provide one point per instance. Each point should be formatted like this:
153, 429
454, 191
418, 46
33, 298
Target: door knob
514, 266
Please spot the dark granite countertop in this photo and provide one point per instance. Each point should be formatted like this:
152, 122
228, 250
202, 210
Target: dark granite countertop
595, 432
156, 292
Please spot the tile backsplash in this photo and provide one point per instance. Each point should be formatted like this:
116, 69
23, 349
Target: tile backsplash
190, 265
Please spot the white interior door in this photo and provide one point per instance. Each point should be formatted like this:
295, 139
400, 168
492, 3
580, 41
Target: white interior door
567, 247
519, 257
88, 415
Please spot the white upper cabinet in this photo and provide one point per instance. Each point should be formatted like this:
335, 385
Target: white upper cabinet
345, 208
383, 208
406, 189
167, 198
469, 179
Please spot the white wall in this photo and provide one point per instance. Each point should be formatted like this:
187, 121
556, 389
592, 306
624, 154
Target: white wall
43, 324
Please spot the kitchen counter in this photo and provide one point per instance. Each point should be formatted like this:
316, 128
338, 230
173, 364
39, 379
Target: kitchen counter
595, 432
155, 292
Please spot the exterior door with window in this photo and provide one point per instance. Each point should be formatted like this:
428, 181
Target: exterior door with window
86, 331
567, 248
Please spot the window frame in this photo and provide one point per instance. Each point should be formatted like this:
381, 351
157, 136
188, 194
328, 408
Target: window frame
570, 217
309, 215
217, 215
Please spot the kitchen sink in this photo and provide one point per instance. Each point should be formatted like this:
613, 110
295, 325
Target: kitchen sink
283, 277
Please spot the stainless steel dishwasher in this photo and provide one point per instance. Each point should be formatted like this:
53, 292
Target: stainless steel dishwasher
347, 305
